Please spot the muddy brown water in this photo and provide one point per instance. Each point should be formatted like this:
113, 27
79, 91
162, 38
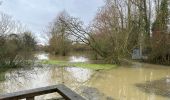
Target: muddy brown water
117, 84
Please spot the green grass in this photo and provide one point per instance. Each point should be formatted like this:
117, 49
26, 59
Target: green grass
82, 65
2, 76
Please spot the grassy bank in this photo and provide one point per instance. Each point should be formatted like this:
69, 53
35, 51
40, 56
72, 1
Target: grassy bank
79, 64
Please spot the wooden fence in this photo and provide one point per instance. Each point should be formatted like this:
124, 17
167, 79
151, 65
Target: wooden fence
61, 89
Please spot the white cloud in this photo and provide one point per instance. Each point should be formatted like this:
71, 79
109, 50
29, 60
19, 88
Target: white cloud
36, 14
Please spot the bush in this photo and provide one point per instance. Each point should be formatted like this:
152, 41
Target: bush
14, 50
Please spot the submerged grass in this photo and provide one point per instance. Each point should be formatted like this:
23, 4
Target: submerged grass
79, 64
2, 76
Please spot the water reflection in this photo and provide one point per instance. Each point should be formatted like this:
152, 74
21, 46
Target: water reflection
42, 56
45, 76
72, 58
80, 74
78, 59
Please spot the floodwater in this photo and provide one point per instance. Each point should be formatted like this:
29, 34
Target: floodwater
117, 84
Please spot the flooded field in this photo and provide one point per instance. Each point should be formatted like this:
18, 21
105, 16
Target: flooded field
118, 83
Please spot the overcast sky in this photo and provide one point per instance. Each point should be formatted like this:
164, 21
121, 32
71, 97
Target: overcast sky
36, 14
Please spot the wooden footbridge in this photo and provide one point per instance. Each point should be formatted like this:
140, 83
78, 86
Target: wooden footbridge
65, 92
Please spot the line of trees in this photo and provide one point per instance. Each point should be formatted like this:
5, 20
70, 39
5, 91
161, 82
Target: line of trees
118, 28
161, 35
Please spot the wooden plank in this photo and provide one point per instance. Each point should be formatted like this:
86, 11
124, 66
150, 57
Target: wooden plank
61, 89
29, 93
68, 94
56, 99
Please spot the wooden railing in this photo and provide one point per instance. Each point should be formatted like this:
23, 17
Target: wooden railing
61, 89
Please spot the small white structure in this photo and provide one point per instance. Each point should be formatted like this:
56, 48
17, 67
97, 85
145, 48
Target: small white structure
136, 54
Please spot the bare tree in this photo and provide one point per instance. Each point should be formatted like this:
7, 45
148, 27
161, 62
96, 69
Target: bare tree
107, 36
118, 28
59, 40
7, 25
